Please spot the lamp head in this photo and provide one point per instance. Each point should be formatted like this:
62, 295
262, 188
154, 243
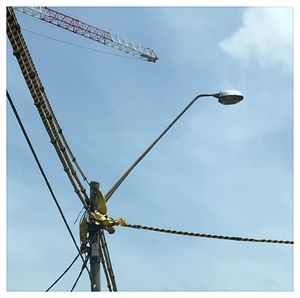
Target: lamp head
229, 97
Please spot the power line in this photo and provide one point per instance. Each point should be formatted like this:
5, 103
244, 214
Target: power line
64, 141
104, 265
42, 103
223, 237
108, 261
66, 270
77, 45
43, 174
83, 265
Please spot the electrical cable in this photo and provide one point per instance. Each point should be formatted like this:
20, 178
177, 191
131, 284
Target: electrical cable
43, 173
104, 264
108, 261
83, 265
41, 102
67, 269
64, 141
140, 227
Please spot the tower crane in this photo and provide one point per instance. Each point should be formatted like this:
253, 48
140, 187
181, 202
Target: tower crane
76, 26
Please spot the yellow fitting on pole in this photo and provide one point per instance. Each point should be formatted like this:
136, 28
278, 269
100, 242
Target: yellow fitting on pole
121, 222
100, 218
101, 206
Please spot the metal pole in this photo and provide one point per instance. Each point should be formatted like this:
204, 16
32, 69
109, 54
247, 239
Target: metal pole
123, 177
94, 238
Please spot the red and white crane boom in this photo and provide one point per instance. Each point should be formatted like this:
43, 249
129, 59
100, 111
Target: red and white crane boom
76, 26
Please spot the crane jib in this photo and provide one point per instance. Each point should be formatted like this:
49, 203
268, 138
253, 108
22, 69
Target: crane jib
78, 27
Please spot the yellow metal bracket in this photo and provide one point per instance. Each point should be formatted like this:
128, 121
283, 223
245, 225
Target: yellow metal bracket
100, 218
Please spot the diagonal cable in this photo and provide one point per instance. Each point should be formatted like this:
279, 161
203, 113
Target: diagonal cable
81, 270
41, 102
80, 46
104, 264
66, 270
108, 261
43, 173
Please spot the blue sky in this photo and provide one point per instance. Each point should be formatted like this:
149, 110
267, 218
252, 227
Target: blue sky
220, 170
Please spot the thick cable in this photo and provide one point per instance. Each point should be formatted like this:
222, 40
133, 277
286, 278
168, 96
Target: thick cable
55, 120
64, 141
29, 72
67, 269
123, 177
140, 227
43, 173
40, 100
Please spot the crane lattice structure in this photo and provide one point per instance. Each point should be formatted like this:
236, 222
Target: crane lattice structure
60, 144
76, 26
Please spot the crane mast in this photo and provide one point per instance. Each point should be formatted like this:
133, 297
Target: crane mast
76, 26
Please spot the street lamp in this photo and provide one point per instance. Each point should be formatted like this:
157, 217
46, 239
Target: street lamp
227, 97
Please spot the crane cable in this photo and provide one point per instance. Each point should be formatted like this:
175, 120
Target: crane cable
41, 102
42, 172
80, 46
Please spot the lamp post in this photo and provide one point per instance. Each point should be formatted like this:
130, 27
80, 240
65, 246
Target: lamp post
227, 97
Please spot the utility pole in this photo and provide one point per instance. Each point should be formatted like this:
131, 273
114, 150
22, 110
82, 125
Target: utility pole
94, 237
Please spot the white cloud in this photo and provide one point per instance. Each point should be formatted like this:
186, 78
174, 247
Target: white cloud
266, 37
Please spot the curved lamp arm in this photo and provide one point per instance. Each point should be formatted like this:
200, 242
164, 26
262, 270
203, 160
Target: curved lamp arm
225, 97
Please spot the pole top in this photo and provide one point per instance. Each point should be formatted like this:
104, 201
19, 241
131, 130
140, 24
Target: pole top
94, 184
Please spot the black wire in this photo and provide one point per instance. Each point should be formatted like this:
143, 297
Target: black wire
84, 264
63, 273
213, 236
79, 46
104, 262
107, 258
44, 175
